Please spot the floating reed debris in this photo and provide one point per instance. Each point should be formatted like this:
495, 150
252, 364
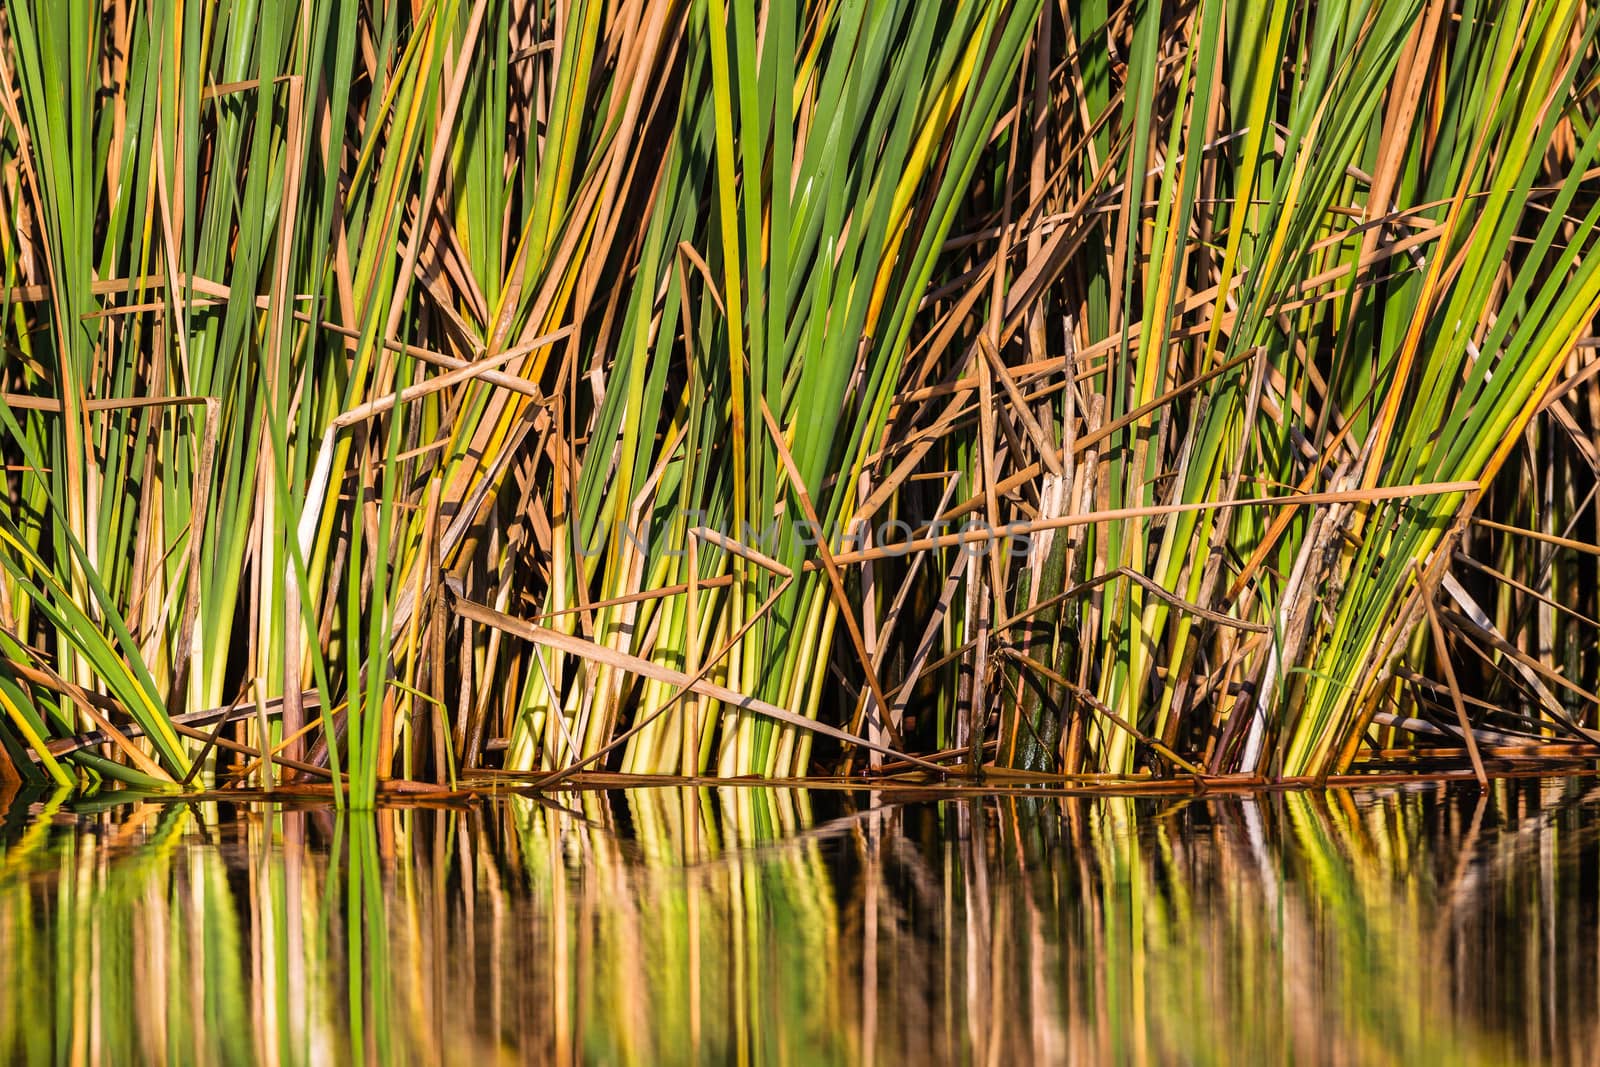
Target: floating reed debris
398, 392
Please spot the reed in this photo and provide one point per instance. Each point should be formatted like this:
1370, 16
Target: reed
405, 392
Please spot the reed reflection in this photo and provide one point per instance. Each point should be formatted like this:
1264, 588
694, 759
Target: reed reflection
754, 925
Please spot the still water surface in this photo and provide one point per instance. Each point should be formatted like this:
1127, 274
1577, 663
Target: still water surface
744, 925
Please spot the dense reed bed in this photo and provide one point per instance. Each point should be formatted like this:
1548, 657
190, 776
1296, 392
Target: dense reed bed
410, 391
763, 925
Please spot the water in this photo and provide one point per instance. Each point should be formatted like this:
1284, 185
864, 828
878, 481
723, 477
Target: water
1416, 925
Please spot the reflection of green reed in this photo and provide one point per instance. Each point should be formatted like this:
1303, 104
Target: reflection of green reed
685, 950
736, 925
128, 945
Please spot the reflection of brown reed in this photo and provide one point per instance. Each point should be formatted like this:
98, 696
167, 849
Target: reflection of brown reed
742, 926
